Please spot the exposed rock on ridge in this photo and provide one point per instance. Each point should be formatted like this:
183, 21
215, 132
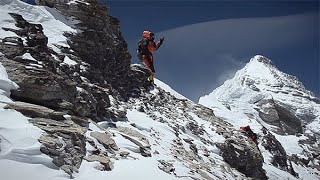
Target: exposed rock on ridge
63, 95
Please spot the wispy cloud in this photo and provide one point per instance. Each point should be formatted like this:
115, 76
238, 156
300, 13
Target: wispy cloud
197, 58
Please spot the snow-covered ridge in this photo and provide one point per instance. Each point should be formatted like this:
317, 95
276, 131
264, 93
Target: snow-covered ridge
168, 89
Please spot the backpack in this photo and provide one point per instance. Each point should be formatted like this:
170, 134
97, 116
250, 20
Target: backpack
141, 48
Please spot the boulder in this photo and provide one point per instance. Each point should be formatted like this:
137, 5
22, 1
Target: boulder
106, 140
244, 155
32, 110
104, 160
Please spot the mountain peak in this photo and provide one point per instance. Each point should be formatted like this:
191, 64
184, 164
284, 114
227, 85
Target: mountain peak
261, 68
264, 74
261, 76
262, 59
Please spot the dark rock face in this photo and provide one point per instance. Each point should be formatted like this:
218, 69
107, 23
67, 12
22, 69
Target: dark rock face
289, 122
276, 113
100, 44
49, 3
279, 158
244, 156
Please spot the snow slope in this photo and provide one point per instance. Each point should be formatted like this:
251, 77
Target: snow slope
20, 156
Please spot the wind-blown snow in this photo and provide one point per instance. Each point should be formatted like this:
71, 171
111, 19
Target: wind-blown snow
257, 80
227, 41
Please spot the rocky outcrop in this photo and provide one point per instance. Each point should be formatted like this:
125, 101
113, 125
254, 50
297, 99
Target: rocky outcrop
32, 110
46, 80
64, 142
105, 139
311, 158
244, 155
40, 79
279, 155
276, 113
137, 138
104, 160
175, 113
67, 153
99, 43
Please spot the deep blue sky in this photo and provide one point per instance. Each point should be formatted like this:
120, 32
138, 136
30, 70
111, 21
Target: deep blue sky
286, 31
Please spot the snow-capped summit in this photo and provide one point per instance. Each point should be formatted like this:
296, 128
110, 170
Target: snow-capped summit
260, 79
260, 75
261, 69
271, 102
265, 72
